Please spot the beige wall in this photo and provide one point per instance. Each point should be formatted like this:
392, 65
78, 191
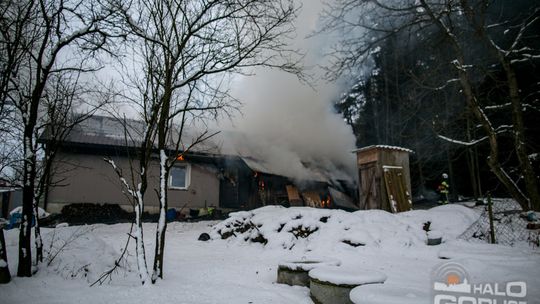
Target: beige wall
89, 179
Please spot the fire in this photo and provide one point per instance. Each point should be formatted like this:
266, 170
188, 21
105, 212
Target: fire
180, 157
325, 203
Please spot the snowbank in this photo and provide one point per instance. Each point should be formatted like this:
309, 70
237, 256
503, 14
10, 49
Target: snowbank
279, 227
235, 271
41, 213
78, 252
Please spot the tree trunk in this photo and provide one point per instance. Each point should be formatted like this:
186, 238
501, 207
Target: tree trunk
477, 168
24, 268
531, 183
162, 130
493, 159
162, 222
139, 242
451, 189
470, 162
37, 235
5, 276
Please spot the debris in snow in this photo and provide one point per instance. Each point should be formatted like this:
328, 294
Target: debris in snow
60, 225
204, 237
279, 227
434, 237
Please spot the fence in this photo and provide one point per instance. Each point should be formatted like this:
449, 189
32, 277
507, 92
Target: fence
509, 228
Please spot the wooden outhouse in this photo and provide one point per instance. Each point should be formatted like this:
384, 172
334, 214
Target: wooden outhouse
384, 178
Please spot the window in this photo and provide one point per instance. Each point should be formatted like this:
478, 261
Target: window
179, 177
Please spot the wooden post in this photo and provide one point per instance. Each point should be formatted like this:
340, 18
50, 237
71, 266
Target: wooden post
490, 213
5, 276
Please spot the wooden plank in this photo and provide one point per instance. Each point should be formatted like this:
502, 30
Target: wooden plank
367, 156
293, 196
396, 189
292, 192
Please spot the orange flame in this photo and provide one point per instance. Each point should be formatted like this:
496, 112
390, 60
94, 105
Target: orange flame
325, 203
180, 157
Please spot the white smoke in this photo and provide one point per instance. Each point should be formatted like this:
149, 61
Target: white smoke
287, 123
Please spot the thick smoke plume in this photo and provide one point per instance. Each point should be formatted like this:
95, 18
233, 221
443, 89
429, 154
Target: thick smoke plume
288, 124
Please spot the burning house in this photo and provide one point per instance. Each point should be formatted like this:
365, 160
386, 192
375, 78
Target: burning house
207, 176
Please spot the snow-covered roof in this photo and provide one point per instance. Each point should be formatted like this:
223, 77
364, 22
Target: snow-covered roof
9, 189
111, 131
396, 148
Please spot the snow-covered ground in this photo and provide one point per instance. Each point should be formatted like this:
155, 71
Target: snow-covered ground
237, 270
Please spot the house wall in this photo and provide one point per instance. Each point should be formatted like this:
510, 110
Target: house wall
85, 178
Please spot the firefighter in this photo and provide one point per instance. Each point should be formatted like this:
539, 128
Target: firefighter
443, 189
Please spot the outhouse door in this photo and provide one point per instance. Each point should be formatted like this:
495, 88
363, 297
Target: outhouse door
399, 197
368, 186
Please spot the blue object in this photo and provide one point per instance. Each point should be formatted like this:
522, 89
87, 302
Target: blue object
531, 216
15, 220
171, 214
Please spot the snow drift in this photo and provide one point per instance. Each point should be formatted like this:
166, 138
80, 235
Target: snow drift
279, 227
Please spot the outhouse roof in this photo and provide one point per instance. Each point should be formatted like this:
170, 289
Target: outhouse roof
384, 147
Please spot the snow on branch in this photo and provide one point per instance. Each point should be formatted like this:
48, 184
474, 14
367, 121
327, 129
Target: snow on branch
121, 177
498, 107
463, 143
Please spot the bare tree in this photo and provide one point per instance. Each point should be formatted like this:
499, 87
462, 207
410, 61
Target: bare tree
68, 101
464, 26
187, 51
43, 39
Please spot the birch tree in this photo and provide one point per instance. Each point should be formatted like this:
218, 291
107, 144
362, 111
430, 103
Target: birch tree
186, 53
41, 39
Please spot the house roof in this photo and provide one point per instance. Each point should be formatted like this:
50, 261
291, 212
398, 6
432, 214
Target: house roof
263, 167
107, 131
115, 132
